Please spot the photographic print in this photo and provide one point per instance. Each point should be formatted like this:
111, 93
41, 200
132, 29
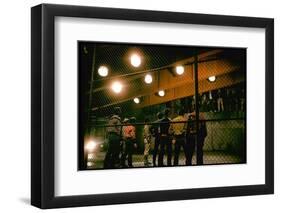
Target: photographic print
151, 105
122, 96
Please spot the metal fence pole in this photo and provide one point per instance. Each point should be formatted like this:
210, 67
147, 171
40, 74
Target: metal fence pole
89, 121
195, 71
91, 90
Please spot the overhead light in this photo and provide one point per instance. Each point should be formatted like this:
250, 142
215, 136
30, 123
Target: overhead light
137, 100
212, 78
148, 78
161, 93
117, 87
135, 60
179, 70
103, 71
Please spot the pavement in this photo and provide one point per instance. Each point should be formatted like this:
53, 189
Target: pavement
95, 161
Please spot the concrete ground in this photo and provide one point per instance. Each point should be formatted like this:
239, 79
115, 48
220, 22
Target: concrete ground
95, 161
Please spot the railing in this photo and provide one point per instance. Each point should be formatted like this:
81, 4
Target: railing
225, 143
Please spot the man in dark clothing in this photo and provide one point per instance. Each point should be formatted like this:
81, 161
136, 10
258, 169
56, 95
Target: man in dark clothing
165, 142
114, 137
202, 133
156, 134
191, 138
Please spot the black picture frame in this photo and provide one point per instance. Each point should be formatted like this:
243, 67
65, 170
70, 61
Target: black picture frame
43, 117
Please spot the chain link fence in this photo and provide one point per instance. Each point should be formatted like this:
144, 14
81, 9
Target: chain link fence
225, 143
218, 95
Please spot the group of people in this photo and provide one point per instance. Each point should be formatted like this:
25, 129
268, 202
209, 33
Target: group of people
224, 99
164, 133
121, 141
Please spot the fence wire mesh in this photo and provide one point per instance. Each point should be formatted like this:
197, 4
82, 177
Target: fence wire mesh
216, 136
225, 143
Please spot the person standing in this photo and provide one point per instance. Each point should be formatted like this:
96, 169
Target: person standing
156, 133
204, 103
114, 137
202, 134
242, 100
178, 130
122, 143
147, 141
191, 138
165, 142
234, 99
220, 101
130, 143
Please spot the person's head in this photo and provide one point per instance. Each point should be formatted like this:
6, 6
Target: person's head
166, 112
204, 97
126, 120
181, 112
159, 115
133, 120
117, 111
146, 120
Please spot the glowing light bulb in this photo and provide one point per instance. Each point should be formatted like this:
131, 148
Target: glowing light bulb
117, 87
179, 70
161, 93
135, 60
212, 78
103, 71
137, 100
148, 78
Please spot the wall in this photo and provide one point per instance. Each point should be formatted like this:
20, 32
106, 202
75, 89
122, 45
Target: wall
15, 105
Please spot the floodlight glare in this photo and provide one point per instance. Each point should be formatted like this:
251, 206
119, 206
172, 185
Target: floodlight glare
212, 78
103, 71
116, 87
135, 60
148, 78
179, 70
90, 146
89, 164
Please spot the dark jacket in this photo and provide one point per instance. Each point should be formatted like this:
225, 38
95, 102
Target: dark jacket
165, 126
